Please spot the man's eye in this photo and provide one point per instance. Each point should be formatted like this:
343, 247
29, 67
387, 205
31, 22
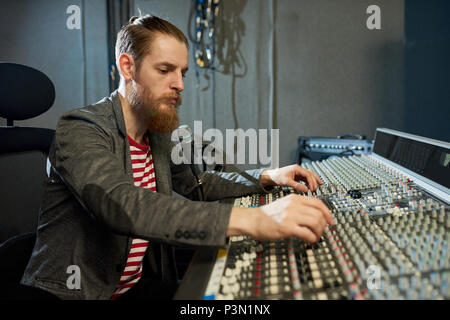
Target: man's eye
163, 70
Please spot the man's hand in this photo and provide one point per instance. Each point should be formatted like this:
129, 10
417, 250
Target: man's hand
290, 216
288, 177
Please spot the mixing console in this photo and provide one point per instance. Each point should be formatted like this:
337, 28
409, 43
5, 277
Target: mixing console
390, 241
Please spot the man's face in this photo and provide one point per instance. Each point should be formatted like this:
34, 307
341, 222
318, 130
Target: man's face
155, 89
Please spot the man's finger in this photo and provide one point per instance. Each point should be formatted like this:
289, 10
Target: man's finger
304, 233
299, 186
320, 205
311, 181
316, 178
319, 181
313, 219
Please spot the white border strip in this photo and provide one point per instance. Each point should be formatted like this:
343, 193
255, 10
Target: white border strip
212, 289
414, 137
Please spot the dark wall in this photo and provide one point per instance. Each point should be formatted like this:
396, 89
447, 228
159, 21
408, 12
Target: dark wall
427, 68
334, 74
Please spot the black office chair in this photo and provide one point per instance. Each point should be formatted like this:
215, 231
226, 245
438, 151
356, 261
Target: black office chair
24, 93
14, 256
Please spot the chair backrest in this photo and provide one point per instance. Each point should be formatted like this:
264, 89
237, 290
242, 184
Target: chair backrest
17, 251
24, 93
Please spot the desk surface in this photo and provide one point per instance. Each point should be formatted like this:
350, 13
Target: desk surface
197, 275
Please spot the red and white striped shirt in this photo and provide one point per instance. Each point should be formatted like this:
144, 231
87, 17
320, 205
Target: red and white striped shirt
144, 176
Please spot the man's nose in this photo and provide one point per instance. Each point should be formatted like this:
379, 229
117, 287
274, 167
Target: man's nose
177, 82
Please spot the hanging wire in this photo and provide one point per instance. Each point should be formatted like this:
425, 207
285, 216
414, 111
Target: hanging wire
206, 12
202, 33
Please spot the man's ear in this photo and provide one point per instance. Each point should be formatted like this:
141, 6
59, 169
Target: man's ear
127, 66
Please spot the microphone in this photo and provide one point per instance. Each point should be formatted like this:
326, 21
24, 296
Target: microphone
188, 147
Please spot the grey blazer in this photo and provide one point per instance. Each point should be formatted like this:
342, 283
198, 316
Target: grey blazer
91, 209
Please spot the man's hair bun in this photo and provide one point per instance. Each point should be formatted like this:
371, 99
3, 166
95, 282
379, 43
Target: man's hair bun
132, 19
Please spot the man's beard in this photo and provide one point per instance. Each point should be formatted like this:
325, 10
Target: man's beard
160, 115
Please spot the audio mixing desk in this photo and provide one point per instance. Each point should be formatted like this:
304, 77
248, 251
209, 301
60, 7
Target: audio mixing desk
390, 240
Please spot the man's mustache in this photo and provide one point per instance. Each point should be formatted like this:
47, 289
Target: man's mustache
176, 97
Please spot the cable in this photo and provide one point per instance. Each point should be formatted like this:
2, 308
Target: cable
206, 12
83, 52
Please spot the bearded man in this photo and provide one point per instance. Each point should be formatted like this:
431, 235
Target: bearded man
108, 222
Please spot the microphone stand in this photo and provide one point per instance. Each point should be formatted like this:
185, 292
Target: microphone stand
196, 172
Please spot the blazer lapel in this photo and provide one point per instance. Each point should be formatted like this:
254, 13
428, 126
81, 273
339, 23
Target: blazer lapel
159, 145
118, 113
